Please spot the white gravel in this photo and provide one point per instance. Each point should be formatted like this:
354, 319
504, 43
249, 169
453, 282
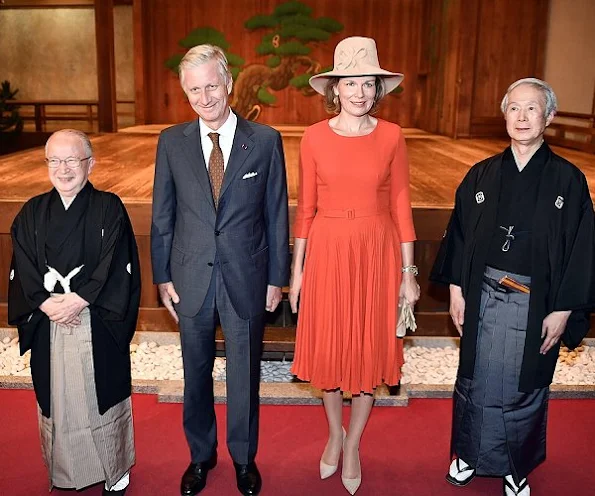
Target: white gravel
423, 365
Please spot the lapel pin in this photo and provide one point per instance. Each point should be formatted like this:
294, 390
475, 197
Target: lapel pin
479, 197
244, 146
559, 203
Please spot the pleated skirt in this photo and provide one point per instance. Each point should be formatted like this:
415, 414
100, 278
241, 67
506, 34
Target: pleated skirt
346, 332
497, 429
80, 447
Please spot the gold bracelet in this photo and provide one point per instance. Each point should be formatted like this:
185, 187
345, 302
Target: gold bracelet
410, 268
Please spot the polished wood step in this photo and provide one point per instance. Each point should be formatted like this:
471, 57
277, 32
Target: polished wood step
278, 343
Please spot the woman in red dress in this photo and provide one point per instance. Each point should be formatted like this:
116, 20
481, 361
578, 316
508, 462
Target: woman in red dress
353, 251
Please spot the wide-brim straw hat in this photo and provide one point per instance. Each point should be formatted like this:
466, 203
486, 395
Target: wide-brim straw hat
356, 56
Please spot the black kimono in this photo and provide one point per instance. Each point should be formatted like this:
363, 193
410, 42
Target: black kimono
560, 243
109, 281
563, 257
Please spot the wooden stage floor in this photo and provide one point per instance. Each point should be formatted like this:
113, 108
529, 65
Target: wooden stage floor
125, 165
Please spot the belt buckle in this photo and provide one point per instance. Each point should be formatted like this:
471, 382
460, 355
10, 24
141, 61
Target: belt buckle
350, 213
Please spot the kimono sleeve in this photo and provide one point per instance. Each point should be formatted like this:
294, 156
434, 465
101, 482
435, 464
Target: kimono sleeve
25, 289
577, 287
448, 265
114, 285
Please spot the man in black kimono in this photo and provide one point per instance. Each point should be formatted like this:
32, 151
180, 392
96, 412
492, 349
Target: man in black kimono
519, 256
74, 294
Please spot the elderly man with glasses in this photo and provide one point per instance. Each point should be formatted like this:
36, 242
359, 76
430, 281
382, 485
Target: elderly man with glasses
74, 294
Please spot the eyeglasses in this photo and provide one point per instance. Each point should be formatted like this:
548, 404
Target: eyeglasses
71, 162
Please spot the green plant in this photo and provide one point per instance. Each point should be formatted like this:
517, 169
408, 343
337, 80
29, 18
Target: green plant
10, 120
288, 33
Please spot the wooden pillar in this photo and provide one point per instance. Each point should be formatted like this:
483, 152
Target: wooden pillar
106, 66
139, 35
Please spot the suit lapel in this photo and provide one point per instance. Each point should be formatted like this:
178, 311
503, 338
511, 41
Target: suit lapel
193, 151
240, 150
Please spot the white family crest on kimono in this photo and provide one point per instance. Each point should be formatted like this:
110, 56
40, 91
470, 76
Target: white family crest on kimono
52, 276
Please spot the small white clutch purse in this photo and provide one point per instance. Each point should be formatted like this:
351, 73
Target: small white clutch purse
406, 318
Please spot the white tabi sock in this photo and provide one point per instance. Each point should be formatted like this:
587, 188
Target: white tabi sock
511, 489
459, 472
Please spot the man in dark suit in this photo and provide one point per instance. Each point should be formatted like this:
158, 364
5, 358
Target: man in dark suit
219, 247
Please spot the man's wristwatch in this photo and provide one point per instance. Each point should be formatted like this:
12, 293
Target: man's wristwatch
410, 268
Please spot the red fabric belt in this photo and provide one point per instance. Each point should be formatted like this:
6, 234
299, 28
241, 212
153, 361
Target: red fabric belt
352, 213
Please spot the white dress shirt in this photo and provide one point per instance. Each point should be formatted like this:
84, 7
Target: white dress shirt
226, 135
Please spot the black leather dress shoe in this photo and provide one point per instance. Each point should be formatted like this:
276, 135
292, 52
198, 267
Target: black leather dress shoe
248, 478
121, 492
194, 479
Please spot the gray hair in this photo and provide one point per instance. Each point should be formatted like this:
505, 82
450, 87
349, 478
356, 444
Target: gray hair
551, 102
85, 141
201, 54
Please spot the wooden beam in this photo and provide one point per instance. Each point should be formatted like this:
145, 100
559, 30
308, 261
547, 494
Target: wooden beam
48, 4
44, 4
468, 25
543, 18
139, 34
106, 66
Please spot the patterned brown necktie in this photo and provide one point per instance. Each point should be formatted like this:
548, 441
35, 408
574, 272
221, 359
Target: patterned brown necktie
216, 169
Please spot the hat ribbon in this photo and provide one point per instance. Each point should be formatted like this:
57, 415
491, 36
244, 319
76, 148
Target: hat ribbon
347, 60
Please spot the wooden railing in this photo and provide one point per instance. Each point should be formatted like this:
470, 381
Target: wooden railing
578, 134
43, 111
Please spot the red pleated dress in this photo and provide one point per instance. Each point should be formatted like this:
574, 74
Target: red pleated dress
354, 209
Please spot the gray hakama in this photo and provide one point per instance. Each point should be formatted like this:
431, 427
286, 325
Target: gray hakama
80, 447
494, 425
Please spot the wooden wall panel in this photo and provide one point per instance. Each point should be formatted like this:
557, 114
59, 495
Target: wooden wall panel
106, 66
395, 24
473, 50
512, 47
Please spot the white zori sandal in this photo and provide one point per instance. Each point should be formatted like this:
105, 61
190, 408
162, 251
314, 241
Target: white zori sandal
460, 473
511, 489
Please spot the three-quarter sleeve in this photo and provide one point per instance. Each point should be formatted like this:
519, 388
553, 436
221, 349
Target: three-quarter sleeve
400, 200
307, 193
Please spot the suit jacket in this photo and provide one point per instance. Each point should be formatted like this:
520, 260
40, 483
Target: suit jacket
247, 235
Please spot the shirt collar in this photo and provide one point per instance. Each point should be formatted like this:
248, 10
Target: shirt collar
227, 130
533, 166
67, 202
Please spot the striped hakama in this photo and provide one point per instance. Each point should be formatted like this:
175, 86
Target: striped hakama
494, 425
80, 447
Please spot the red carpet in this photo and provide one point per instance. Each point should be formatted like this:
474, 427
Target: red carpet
404, 451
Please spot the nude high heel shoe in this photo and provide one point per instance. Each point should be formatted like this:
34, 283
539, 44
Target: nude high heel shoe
327, 470
352, 485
